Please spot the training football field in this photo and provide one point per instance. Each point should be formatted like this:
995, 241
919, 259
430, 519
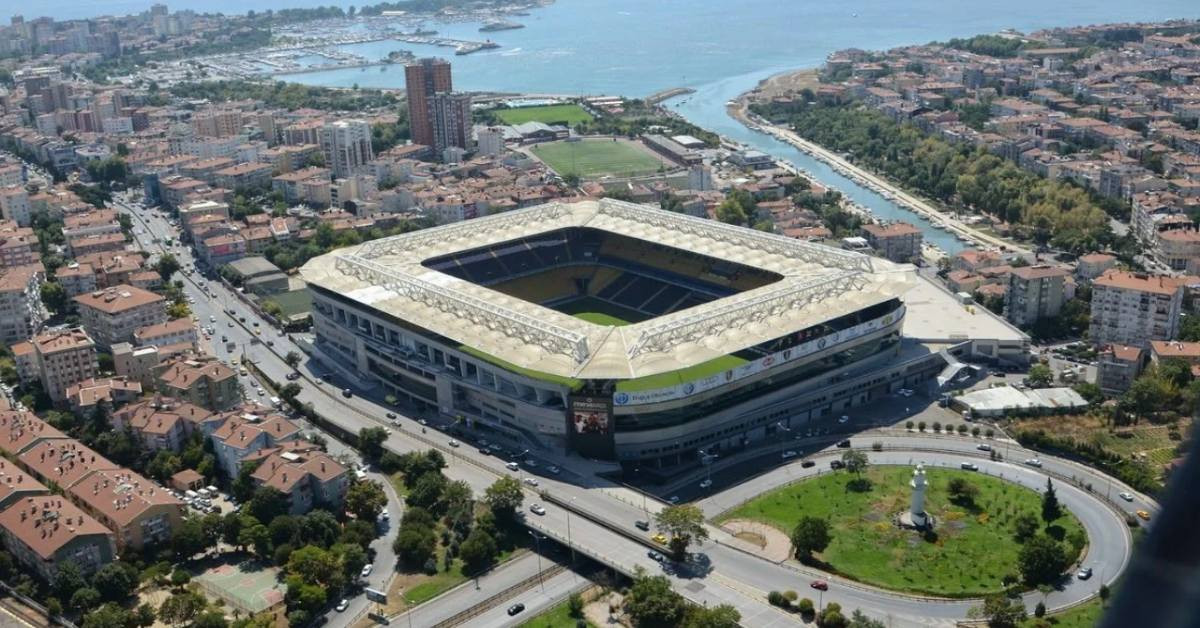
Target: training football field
596, 158
568, 114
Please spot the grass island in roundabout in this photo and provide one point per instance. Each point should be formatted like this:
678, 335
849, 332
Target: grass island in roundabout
970, 551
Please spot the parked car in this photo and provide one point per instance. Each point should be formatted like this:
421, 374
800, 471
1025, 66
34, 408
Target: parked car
836, 464
366, 570
347, 393
969, 466
655, 556
515, 609
844, 444
807, 463
343, 605
641, 524
537, 509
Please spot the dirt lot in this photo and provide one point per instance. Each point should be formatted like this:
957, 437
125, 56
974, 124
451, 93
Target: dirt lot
1151, 441
785, 84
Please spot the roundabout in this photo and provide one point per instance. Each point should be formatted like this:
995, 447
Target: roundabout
969, 550
1090, 496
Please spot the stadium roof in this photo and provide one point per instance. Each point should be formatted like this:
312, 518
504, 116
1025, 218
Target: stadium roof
819, 283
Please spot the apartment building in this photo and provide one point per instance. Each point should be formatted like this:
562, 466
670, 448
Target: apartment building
21, 431
161, 423
179, 335
85, 396
246, 176
16, 484
897, 241
247, 433
1093, 265
1034, 292
1117, 367
18, 245
15, 205
422, 80
201, 380
347, 146
113, 315
63, 462
138, 512
97, 243
1135, 308
43, 532
57, 359
21, 311
307, 476
1167, 349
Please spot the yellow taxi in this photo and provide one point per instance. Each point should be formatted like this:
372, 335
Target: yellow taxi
1144, 515
659, 538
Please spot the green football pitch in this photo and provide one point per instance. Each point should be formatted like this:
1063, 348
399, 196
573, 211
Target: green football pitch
595, 158
569, 115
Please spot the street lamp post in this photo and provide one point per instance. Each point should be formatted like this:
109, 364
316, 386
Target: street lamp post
569, 543
783, 442
537, 540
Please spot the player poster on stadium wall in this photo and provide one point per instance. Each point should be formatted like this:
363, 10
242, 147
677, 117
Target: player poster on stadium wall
591, 425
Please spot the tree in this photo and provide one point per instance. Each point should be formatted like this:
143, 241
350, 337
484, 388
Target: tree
115, 581
68, 580
268, 502
110, 615
575, 605
85, 599
652, 603
811, 534
414, 545
855, 461
180, 578
831, 616
962, 491
166, 266
860, 620
210, 619
1040, 376
504, 496
292, 358
181, 607
722, 616
316, 566
370, 441
353, 557
477, 552
258, 538
365, 500
1051, 509
683, 524
1025, 525
999, 612
1041, 560
189, 539
427, 492
55, 297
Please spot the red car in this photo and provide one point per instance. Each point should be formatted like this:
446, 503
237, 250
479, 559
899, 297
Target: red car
820, 584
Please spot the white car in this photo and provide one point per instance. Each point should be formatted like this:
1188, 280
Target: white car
843, 419
342, 606
531, 481
537, 509
904, 392
789, 454
453, 443
366, 570
706, 483
1127, 496
1033, 462
383, 514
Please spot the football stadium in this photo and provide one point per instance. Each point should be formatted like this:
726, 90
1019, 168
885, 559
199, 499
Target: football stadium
620, 331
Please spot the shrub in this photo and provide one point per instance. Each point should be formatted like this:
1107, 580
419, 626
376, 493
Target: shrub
921, 426
791, 595
1039, 610
575, 605
908, 425
805, 606
990, 432
877, 446
775, 598
937, 426
962, 429
975, 431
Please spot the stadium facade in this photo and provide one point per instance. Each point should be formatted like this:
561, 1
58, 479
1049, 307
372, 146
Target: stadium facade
619, 331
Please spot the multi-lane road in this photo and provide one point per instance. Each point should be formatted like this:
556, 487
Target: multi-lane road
599, 517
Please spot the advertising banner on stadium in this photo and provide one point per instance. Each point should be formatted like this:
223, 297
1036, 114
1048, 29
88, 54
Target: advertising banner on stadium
804, 349
591, 425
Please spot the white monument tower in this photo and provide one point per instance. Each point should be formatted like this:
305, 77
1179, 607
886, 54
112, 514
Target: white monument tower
916, 510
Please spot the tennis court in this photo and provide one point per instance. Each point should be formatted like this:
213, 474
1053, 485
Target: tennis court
247, 586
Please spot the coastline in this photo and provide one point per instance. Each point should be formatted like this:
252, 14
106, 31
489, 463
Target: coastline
739, 109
